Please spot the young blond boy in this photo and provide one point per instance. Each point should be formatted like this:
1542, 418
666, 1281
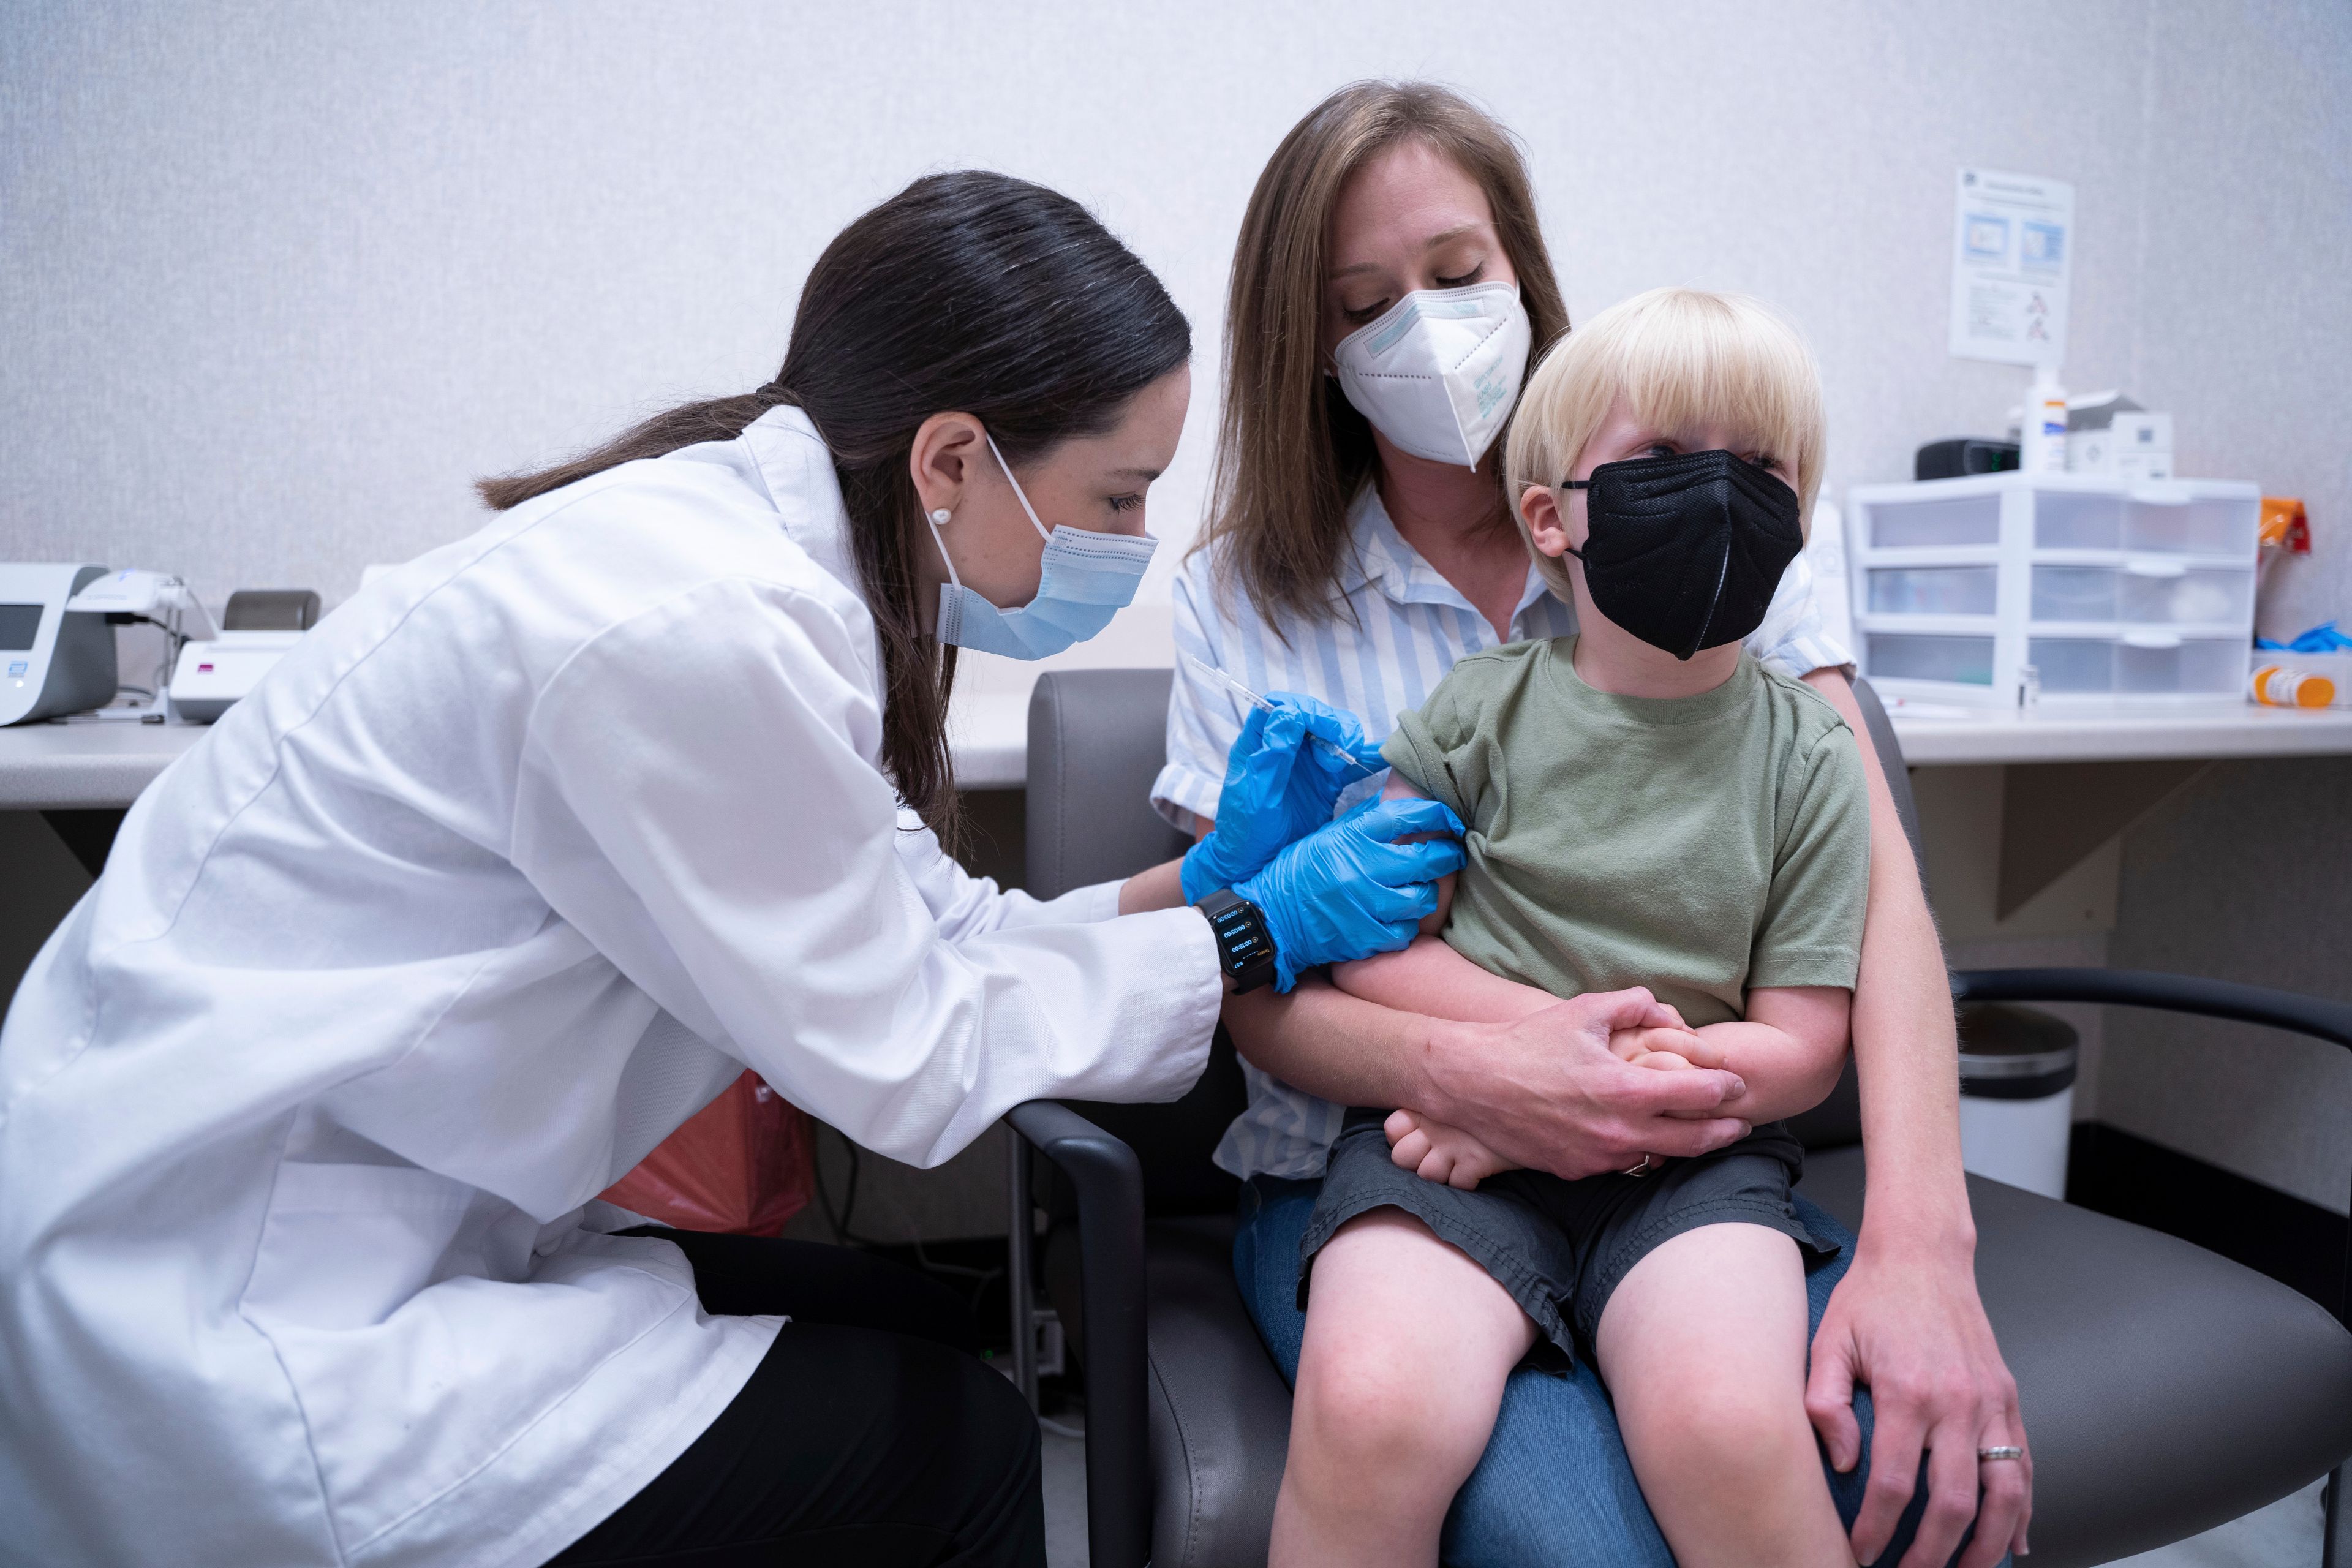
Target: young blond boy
1648, 807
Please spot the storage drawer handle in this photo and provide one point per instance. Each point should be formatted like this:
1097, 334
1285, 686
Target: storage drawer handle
2152, 639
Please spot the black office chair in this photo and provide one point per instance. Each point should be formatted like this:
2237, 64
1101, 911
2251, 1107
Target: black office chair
2164, 1389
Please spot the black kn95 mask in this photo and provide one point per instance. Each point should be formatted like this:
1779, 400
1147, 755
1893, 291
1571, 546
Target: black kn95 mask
1685, 551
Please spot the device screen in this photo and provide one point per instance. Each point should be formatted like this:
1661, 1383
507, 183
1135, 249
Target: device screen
20, 624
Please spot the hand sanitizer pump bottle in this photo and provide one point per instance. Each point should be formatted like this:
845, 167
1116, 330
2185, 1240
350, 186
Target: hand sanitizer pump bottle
2043, 432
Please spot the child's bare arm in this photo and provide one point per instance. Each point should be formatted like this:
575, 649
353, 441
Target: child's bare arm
1788, 1050
1429, 978
1401, 788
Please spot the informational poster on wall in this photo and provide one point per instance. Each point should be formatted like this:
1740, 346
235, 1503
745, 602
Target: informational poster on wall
2013, 252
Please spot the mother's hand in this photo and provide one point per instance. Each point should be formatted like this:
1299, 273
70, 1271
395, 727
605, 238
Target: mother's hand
1280, 786
1546, 1091
1909, 1326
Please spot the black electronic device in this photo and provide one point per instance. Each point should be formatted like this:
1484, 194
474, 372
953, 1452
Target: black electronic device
1245, 948
1962, 455
271, 610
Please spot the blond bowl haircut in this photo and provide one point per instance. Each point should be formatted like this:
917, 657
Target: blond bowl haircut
1683, 359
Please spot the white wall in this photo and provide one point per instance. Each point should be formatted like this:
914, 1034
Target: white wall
279, 281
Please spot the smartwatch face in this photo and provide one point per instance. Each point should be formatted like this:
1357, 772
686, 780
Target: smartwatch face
1242, 946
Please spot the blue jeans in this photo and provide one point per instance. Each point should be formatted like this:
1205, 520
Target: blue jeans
1555, 1486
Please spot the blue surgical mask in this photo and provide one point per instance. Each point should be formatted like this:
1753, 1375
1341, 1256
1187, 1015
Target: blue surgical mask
1087, 579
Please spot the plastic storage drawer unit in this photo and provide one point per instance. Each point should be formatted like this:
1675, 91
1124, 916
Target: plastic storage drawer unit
1978, 589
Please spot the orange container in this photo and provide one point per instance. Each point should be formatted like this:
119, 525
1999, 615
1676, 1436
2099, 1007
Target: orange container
2280, 686
743, 1165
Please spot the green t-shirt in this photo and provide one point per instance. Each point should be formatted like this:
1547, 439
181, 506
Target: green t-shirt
1699, 845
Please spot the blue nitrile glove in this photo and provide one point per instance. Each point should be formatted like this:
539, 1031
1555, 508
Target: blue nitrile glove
1347, 892
2321, 638
1279, 785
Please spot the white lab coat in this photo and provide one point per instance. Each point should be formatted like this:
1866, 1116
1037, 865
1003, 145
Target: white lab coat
516, 862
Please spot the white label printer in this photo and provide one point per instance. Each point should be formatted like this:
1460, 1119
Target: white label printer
257, 628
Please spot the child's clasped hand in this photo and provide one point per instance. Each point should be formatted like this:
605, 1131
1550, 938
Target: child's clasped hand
1671, 1047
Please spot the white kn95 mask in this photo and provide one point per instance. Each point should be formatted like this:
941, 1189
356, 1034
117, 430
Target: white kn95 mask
1437, 374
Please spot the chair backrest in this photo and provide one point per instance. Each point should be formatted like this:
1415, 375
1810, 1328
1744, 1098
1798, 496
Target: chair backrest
1097, 741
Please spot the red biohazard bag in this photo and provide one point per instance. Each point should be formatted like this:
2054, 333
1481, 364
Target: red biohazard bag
742, 1164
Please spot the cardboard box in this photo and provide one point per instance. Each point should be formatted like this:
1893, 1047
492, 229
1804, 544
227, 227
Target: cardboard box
2135, 446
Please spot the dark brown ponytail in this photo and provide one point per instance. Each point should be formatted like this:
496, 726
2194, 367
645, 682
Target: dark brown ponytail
968, 292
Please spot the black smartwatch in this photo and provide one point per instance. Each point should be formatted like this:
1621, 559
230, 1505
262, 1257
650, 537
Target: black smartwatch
1245, 948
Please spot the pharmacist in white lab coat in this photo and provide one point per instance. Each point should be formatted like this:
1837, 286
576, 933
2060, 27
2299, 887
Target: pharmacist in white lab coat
522, 856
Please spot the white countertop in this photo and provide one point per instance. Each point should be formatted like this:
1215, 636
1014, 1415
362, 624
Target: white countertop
88, 764
2116, 732
987, 737
105, 764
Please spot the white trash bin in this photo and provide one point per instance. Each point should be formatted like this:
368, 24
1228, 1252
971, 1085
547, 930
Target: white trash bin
2017, 1095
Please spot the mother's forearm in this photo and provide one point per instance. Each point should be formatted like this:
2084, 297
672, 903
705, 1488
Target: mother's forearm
1906, 1051
1339, 1047
1427, 976
1906, 1058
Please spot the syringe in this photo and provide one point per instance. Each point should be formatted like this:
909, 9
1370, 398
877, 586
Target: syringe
1255, 700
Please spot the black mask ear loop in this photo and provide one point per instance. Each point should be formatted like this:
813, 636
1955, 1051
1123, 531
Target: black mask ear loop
1573, 485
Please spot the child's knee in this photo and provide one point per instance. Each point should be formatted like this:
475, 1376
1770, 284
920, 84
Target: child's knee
1366, 1415
1736, 1433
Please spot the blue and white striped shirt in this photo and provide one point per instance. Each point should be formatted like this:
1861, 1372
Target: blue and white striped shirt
1399, 630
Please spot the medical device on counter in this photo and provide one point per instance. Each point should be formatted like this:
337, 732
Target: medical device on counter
1962, 455
54, 657
257, 628
213, 675
131, 594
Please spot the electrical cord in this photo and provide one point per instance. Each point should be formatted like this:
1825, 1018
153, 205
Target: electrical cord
974, 1281
840, 1221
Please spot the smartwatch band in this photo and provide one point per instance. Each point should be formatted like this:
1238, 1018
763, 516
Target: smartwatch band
1245, 948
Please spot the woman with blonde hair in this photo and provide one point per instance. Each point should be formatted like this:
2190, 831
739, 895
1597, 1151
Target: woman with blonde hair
1390, 291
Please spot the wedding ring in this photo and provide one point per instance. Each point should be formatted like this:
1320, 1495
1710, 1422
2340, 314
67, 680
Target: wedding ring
2005, 1451
1641, 1170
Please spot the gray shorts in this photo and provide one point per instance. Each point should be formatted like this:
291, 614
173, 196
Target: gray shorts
1560, 1248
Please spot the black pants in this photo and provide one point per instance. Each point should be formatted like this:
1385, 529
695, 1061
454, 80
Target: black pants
872, 1435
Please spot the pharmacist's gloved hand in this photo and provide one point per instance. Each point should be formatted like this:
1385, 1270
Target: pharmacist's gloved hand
1279, 785
1349, 891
